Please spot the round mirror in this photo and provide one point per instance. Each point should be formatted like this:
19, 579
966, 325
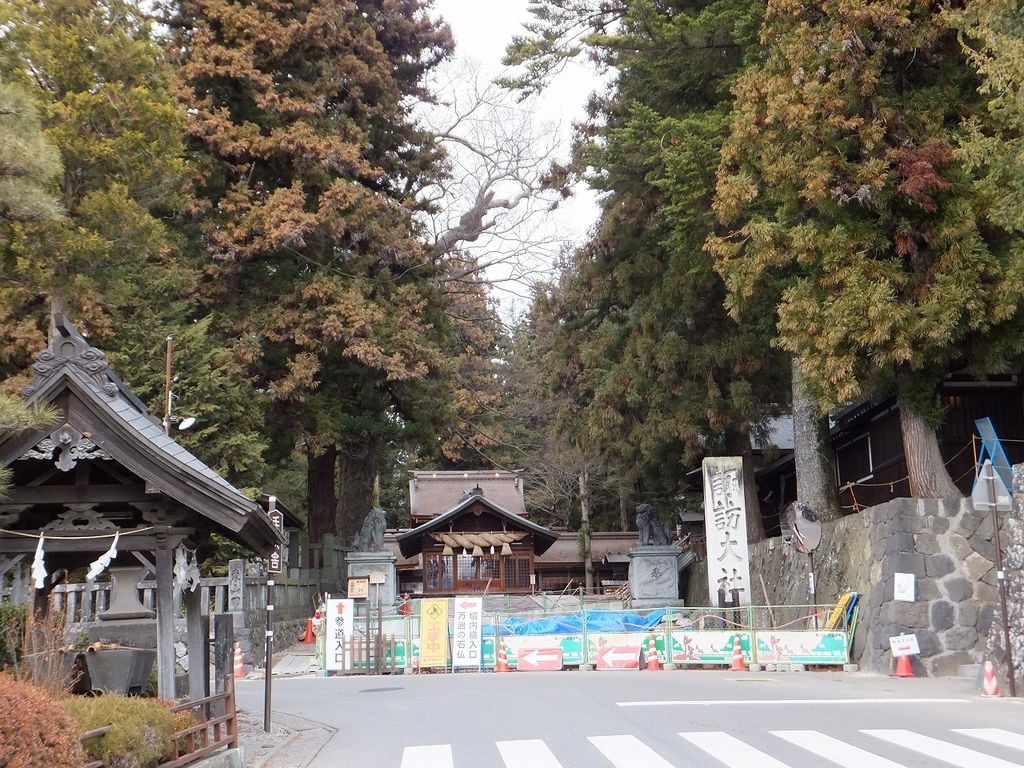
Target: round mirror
801, 527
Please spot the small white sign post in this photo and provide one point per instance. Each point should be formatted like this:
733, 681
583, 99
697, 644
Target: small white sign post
466, 632
904, 645
340, 624
725, 522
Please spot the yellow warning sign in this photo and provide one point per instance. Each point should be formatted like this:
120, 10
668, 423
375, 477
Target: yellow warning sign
434, 633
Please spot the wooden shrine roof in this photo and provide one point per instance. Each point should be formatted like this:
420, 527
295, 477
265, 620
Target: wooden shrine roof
100, 415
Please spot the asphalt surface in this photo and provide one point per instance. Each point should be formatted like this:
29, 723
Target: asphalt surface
633, 719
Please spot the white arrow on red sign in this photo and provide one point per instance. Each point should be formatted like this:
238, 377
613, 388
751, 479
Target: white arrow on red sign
533, 659
619, 657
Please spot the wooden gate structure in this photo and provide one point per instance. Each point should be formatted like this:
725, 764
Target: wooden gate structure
107, 469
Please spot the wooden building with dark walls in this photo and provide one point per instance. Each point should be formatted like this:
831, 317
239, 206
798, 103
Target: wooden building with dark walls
477, 547
107, 467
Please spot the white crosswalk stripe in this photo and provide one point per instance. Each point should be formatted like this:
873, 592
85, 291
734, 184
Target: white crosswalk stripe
628, 752
724, 749
434, 756
528, 753
941, 750
836, 751
731, 751
995, 736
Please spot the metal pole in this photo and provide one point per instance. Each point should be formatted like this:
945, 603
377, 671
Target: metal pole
269, 660
366, 648
379, 647
814, 591
167, 387
1001, 577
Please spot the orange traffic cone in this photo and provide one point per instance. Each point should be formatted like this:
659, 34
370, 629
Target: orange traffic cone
903, 667
502, 659
989, 686
309, 632
738, 665
239, 667
653, 662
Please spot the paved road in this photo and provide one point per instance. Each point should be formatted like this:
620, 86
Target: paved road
677, 719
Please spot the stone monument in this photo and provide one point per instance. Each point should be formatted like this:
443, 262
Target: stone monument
368, 556
654, 562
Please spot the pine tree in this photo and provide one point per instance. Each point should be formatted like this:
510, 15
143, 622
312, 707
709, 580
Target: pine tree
308, 161
29, 164
842, 197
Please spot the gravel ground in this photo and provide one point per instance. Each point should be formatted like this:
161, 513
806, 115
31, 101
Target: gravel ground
258, 744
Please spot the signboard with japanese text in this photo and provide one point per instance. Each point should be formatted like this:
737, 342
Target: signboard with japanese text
466, 631
340, 622
275, 561
378, 577
904, 645
358, 587
725, 522
434, 633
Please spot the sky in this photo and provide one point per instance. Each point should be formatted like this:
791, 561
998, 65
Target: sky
482, 30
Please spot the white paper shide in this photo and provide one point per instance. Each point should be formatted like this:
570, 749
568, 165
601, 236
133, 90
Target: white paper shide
725, 521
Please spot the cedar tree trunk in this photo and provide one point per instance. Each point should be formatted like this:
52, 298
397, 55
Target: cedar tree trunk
322, 501
925, 469
815, 461
588, 564
357, 462
623, 507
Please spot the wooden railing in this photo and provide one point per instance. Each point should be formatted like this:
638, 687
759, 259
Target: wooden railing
211, 733
95, 733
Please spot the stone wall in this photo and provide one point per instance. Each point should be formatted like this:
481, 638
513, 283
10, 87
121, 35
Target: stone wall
944, 543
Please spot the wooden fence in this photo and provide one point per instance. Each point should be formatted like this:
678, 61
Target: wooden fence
211, 732
370, 657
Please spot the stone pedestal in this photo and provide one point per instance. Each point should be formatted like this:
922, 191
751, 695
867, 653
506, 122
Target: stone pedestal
654, 575
365, 563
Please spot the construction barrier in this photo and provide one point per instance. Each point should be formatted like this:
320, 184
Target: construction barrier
805, 635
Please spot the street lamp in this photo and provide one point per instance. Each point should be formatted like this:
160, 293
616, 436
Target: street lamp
183, 424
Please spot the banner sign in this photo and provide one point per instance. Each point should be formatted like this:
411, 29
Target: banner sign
725, 523
466, 631
801, 647
340, 624
434, 633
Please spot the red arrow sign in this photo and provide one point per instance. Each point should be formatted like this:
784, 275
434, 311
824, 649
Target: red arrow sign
619, 657
533, 659
467, 606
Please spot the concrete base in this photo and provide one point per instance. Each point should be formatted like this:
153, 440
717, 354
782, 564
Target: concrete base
228, 758
754, 667
586, 667
668, 666
654, 574
851, 668
365, 563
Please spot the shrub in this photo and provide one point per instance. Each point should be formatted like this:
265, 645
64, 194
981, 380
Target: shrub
35, 731
12, 632
141, 733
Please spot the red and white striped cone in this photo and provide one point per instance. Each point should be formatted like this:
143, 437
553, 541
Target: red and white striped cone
501, 664
989, 685
653, 662
239, 667
738, 664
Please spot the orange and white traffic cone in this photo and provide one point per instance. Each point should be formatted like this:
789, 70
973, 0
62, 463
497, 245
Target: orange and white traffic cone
989, 685
653, 662
239, 667
501, 664
738, 665
903, 667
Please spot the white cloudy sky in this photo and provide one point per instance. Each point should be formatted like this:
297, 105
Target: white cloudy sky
482, 30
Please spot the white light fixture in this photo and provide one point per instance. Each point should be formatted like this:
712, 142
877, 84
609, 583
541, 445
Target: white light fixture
187, 424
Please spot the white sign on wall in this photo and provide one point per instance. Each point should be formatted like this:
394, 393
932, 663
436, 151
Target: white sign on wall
466, 629
341, 616
725, 523
903, 587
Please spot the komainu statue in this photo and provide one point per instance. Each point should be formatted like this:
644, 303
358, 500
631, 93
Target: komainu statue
371, 536
650, 526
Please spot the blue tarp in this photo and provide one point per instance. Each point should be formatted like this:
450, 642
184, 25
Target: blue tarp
572, 623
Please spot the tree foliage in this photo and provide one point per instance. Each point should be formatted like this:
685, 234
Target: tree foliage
308, 162
840, 192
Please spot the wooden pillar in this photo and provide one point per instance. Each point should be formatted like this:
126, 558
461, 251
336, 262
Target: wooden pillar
164, 617
198, 632
223, 657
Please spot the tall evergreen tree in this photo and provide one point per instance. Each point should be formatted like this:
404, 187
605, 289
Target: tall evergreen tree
309, 161
670, 377
840, 195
